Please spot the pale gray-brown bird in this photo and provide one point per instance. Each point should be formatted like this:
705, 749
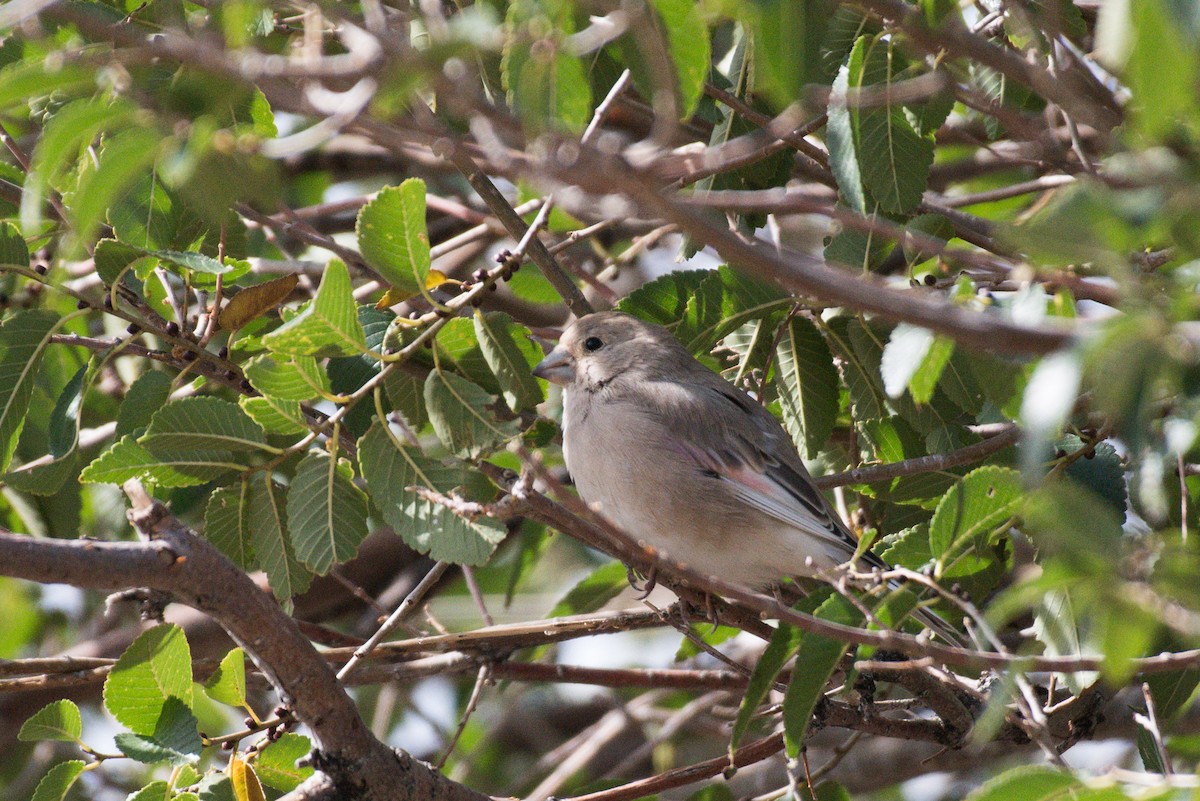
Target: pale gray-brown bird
686, 462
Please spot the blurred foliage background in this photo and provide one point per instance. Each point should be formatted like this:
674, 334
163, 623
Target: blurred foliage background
289, 265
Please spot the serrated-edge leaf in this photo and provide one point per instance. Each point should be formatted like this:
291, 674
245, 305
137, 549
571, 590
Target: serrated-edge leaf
13, 249
175, 738
276, 763
328, 325
227, 683
23, 340
458, 410
687, 41
229, 526
508, 361
58, 720
202, 423
273, 548
807, 383
283, 417
57, 781
156, 667
146, 395
126, 459
985, 498
392, 235
392, 471
326, 513
295, 378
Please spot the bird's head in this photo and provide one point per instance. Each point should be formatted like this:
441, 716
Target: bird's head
598, 348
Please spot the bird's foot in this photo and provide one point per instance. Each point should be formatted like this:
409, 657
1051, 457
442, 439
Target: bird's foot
644, 590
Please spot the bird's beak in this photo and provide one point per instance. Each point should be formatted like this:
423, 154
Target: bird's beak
558, 367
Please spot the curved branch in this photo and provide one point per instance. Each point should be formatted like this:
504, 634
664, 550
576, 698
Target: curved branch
176, 561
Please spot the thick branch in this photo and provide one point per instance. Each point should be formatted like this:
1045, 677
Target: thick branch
178, 562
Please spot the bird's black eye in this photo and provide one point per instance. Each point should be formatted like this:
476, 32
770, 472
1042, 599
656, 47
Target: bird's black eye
593, 344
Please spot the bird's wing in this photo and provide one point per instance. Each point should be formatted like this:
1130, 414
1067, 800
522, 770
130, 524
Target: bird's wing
750, 450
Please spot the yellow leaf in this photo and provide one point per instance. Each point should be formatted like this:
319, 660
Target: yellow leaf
254, 300
246, 786
435, 278
392, 297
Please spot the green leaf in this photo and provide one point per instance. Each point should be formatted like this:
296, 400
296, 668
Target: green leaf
393, 238
459, 351
326, 512
1162, 69
200, 424
783, 643
227, 684
664, 300
972, 509
146, 395
229, 526
154, 791
273, 546
459, 412
1103, 473
123, 158
328, 326
725, 300
594, 591
914, 359
126, 459
1026, 783
62, 435
860, 353
688, 43
839, 138
155, 668
13, 249
392, 472
547, 87
283, 417
23, 340
893, 158
175, 738
295, 378
819, 656
511, 357
787, 45
58, 720
57, 781
72, 127
276, 764
407, 395
807, 383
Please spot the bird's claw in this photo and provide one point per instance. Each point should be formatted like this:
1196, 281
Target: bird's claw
644, 590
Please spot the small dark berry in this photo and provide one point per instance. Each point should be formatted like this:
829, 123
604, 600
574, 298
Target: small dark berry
189, 356
172, 329
82, 304
913, 282
930, 279
248, 722
134, 328
223, 352
428, 343
492, 288
245, 386
503, 256
108, 302
40, 269
231, 375
477, 301
227, 745
117, 341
